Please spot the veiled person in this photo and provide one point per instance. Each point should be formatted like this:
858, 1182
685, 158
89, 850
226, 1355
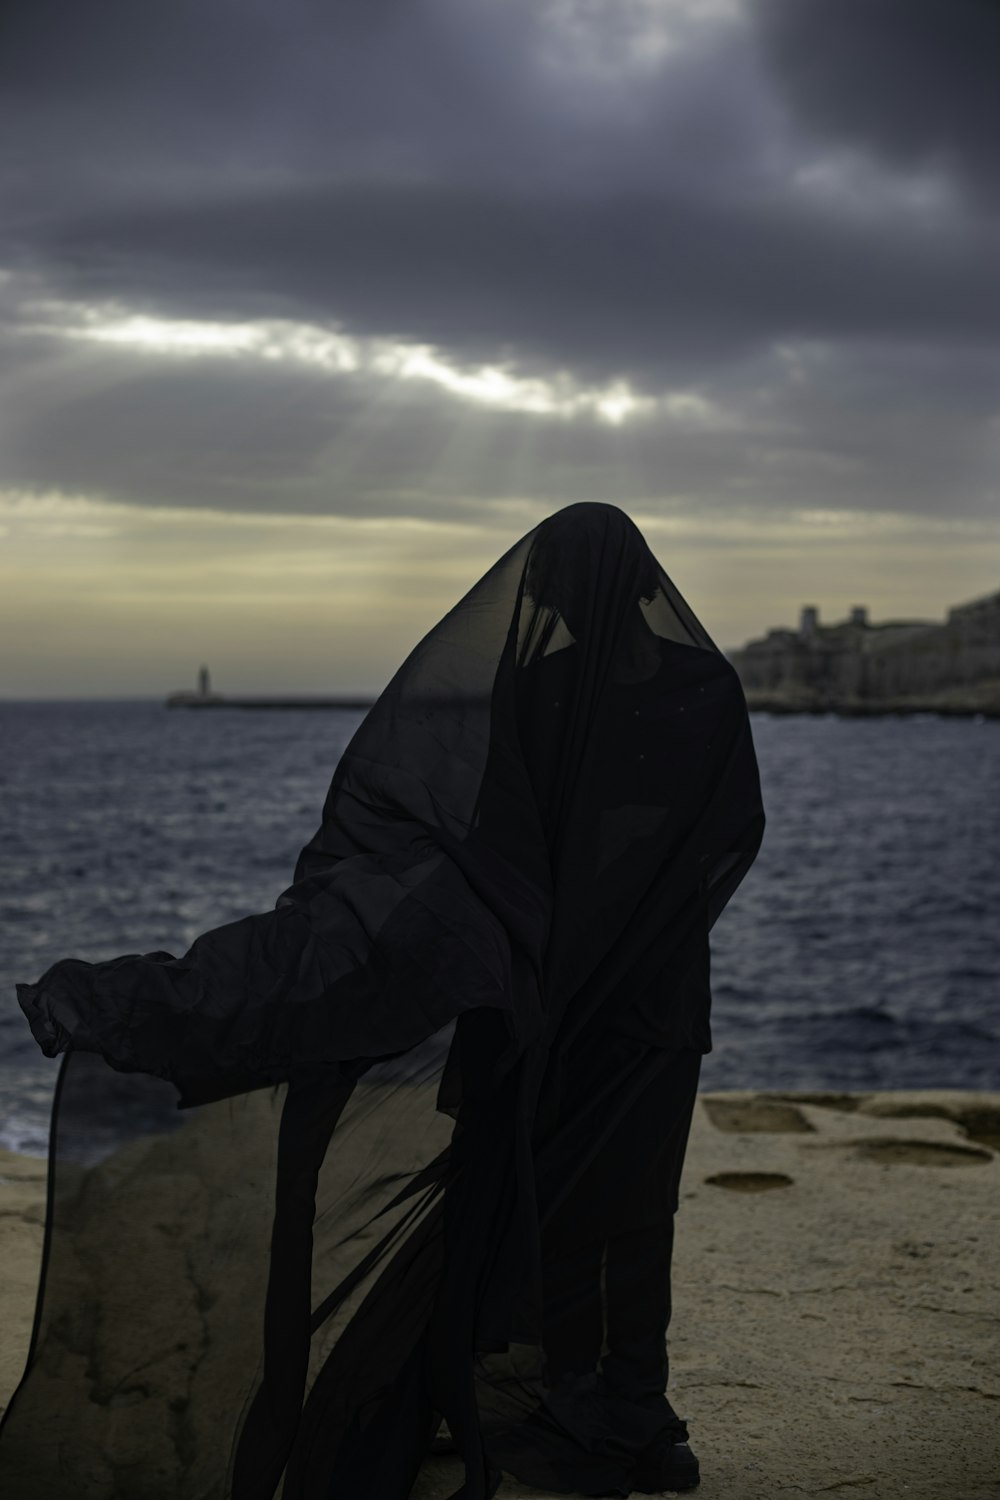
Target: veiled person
405, 1149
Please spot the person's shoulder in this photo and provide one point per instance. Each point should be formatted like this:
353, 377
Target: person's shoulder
697, 661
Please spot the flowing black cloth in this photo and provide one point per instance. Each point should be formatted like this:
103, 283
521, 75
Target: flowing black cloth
407, 1146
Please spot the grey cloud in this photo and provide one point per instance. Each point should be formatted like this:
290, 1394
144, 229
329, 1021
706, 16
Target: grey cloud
414, 170
109, 96
913, 81
818, 426
652, 288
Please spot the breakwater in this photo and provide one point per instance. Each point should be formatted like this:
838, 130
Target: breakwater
222, 700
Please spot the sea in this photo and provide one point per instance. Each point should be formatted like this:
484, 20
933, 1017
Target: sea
861, 952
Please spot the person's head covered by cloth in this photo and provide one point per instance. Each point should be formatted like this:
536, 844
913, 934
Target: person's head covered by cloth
634, 734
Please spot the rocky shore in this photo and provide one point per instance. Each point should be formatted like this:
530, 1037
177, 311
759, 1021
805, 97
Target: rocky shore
836, 1295
952, 705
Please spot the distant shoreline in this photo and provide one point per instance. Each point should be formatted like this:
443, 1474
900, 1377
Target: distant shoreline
756, 702
761, 703
219, 700
768, 705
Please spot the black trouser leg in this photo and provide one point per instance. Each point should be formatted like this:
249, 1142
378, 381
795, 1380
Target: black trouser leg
574, 1317
637, 1278
621, 1214
637, 1274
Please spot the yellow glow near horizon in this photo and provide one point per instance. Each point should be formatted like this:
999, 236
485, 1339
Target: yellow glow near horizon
107, 597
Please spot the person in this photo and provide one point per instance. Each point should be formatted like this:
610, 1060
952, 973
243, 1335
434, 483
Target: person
405, 1150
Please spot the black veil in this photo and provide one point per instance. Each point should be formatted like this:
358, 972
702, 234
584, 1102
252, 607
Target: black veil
305, 1212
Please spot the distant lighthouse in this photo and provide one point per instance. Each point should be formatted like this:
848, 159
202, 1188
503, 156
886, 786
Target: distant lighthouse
201, 697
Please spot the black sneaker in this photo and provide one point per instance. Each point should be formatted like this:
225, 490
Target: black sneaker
665, 1465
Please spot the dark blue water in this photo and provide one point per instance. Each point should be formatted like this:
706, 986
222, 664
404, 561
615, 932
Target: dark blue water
861, 952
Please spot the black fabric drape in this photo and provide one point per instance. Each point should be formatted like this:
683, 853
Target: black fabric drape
312, 1183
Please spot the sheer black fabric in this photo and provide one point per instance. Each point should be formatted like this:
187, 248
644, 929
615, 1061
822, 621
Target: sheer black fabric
407, 1146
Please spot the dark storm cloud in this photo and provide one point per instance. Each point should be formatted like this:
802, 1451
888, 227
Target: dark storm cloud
916, 82
278, 91
490, 221
642, 286
474, 177
431, 169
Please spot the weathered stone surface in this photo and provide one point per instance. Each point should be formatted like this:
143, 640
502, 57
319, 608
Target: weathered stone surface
841, 1335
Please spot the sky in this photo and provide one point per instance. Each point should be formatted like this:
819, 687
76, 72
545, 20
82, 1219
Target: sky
310, 308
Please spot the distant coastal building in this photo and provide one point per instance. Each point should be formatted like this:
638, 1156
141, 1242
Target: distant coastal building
949, 666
